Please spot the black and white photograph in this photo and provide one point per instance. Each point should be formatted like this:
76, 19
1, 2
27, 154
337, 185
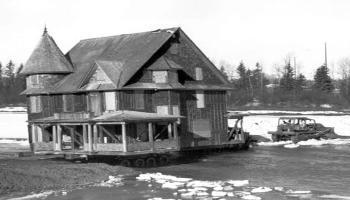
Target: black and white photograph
174, 100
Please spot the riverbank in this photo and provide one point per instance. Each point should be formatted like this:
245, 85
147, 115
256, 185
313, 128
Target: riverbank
22, 176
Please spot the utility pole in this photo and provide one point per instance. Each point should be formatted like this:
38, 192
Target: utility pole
325, 54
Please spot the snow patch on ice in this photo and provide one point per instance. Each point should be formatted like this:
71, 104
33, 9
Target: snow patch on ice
280, 143
35, 196
251, 197
298, 192
238, 183
14, 141
291, 146
314, 142
113, 181
334, 196
261, 190
13, 109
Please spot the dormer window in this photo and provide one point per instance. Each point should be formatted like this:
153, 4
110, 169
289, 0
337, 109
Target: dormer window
160, 76
199, 73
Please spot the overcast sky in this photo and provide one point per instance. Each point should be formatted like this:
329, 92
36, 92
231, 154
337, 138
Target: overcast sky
250, 30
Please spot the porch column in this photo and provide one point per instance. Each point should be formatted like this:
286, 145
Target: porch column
100, 134
125, 145
95, 139
54, 137
89, 137
72, 138
40, 134
59, 138
150, 135
34, 135
85, 141
176, 136
169, 131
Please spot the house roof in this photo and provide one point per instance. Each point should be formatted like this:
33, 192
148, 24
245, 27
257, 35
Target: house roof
47, 58
164, 63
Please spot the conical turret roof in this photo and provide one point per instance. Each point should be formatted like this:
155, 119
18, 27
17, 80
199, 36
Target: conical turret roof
47, 58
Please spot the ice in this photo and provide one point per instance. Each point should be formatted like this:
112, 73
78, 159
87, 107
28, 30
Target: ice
218, 193
111, 182
299, 192
291, 146
334, 196
228, 188
278, 189
218, 188
251, 197
238, 183
13, 141
209, 184
280, 143
172, 185
35, 196
313, 142
13, 109
261, 190
202, 194
187, 195
13, 125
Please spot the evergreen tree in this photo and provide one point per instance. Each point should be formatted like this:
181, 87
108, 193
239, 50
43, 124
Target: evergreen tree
323, 81
287, 81
223, 71
242, 76
300, 82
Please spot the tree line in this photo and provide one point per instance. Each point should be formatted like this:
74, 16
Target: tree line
11, 84
253, 87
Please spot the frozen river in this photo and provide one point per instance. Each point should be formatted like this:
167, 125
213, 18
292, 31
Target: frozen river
314, 170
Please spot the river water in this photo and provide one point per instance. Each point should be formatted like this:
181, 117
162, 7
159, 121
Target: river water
273, 172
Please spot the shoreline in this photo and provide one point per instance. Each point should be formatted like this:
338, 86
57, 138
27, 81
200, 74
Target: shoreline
23, 176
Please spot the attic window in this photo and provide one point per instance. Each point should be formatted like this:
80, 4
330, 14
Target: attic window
160, 76
199, 73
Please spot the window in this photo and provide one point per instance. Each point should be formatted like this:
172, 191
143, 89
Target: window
68, 103
35, 104
160, 76
110, 101
200, 99
139, 100
163, 110
199, 73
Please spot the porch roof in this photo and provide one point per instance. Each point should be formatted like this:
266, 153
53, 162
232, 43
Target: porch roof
112, 117
132, 116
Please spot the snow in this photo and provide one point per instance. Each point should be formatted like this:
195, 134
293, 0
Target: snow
11, 141
291, 146
113, 181
261, 124
238, 183
13, 109
13, 125
259, 112
41, 195
333, 196
261, 190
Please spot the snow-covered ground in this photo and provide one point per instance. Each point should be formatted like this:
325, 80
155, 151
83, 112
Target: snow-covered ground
13, 109
261, 124
276, 112
13, 125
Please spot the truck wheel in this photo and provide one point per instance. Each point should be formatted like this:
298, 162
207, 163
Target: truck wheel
125, 163
151, 162
139, 162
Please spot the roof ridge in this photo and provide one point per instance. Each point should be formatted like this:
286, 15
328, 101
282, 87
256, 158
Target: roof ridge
134, 33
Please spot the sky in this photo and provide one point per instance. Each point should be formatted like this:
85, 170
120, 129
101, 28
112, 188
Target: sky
227, 31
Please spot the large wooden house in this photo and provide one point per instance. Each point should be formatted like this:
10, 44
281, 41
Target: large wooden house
143, 92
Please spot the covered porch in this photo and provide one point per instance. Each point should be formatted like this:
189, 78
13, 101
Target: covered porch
115, 132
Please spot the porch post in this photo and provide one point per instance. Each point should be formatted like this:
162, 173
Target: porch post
125, 145
59, 138
34, 138
40, 134
95, 140
176, 136
85, 142
169, 131
54, 137
89, 137
72, 138
100, 134
150, 135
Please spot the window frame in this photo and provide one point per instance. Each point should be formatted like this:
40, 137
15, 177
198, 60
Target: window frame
36, 101
106, 93
200, 99
199, 73
138, 95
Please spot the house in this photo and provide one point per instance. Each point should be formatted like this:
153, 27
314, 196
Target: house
143, 92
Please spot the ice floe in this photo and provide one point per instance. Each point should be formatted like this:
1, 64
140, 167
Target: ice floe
112, 181
251, 197
238, 183
261, 190
291, 146
334, 196
280, 143
298, 192
35, 196
280, 189
218, 193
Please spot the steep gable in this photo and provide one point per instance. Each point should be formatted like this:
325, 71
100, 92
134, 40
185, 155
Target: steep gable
47, 58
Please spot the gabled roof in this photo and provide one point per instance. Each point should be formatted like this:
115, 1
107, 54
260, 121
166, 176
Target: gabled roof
163, 63
47, 58
126, 53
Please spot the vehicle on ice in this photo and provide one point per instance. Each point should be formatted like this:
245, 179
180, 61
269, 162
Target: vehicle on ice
299, 129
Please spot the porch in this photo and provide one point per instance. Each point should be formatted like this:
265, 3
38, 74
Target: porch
120, 132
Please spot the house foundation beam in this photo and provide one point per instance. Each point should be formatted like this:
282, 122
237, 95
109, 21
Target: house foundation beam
85, 139
89, 138
59, 138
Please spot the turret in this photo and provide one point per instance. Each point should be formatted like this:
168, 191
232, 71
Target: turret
47, 64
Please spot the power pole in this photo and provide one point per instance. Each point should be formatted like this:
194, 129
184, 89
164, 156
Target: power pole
325, 54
